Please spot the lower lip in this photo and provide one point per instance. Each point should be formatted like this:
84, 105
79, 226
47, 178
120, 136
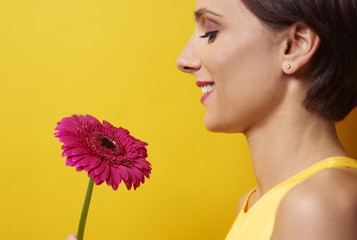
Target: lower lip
203, 98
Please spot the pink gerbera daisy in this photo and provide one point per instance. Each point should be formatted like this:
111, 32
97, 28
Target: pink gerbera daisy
107, 153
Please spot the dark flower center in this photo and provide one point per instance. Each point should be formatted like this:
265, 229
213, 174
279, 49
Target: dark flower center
107, 143
104, 145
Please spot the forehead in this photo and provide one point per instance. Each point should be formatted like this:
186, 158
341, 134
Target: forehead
226, 8
233, 15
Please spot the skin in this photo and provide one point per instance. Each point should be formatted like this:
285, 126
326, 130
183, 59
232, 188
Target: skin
256, 94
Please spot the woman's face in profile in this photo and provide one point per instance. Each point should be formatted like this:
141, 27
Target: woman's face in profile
236, 60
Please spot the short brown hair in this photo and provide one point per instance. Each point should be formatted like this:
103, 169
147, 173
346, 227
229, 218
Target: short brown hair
333, 93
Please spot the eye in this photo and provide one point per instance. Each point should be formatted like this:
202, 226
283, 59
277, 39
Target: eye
211, 29
210, 35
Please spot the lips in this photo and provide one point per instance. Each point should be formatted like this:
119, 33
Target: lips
207, 89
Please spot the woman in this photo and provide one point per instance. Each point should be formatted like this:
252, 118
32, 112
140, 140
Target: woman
283, 72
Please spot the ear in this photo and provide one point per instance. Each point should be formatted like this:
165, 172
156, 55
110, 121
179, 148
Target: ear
301, 43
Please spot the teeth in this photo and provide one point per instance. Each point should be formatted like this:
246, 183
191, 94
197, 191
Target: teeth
207, 88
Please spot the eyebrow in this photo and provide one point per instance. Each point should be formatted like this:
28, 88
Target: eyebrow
198, 13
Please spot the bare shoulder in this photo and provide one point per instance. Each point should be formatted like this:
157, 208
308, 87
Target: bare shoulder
322, 207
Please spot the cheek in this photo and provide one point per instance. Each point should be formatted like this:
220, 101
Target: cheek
247, 83
235, 67
244, 63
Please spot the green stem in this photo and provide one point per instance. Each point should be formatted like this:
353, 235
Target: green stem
82, 221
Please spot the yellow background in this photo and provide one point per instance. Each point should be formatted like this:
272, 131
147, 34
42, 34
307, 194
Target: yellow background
116, 61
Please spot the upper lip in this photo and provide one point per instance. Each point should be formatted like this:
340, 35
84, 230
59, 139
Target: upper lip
203, 83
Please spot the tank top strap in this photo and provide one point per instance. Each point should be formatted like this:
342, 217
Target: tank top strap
245, 204
332, 162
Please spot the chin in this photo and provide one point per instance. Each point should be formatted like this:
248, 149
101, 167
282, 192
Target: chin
220, 126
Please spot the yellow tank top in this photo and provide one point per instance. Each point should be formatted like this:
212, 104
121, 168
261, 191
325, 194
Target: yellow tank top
258, 222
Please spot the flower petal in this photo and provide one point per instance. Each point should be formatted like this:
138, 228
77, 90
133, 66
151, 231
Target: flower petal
66, 133
95, 161
140, 144
77, 158
91, 118
69, 141
68, 124
85, 161
144, 163
91, 173
79, 168
142, 152
138, 174
70, 163
133, 178
98, 180
88, 168
123, 172
128, 184
115, 186
115, 173
110, 180
146, 173
105, 173
100, 168
123, 131
74, 151
66, 147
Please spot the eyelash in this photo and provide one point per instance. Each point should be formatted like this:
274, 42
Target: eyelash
210, 35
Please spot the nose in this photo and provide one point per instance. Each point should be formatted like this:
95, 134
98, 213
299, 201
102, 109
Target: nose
188, 61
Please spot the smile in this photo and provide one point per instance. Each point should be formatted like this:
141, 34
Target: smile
207, 88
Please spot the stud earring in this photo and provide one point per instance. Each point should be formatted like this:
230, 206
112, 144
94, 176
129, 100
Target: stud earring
288, 66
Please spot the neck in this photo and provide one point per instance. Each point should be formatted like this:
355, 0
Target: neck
289, 143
